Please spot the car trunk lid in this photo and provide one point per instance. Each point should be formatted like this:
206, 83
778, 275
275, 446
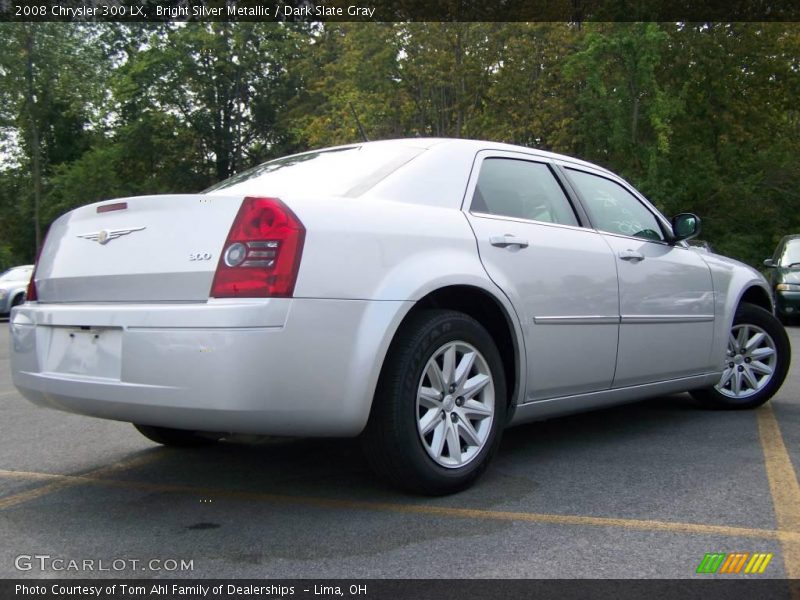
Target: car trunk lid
142, 249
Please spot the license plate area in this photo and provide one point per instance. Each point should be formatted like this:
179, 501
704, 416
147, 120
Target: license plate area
85, 351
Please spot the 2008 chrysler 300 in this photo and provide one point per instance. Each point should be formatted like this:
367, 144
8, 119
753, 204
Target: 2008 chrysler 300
424, 294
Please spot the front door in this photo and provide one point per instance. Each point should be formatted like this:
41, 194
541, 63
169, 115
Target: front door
666, 293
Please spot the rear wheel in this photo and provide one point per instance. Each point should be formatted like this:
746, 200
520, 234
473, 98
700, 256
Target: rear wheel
440, 407
756, 362
176, 437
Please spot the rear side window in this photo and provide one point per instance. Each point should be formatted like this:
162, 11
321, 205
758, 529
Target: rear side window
614, 209
349, 171
521, 189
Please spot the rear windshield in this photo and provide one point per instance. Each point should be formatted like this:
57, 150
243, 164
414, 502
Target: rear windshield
347, 171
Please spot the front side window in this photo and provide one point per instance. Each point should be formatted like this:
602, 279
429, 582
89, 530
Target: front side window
523, 190
614, 209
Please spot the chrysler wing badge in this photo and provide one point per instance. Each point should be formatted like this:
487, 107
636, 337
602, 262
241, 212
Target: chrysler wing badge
106, 235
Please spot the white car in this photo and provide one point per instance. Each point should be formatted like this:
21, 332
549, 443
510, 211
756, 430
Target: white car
13, 284
421, 293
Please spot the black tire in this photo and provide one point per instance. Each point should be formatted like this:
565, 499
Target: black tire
18, 300
179, 438
392, 442
749, 314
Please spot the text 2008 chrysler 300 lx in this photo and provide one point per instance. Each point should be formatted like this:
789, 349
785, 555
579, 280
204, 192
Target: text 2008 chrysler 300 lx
422, 293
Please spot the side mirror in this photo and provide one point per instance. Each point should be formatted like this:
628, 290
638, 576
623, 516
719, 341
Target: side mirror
769, 263
685, 226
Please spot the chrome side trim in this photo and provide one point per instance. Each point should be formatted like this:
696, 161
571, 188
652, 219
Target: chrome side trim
631, 319
577, 320
566, 405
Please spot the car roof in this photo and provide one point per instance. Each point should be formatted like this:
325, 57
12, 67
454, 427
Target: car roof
488, 145
469, 144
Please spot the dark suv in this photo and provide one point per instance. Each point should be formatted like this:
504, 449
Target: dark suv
784, 277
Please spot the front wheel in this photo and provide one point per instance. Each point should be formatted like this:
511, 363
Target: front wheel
440, 406
756, 362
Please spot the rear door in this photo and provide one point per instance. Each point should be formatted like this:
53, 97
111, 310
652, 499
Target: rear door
666, 293
560, 276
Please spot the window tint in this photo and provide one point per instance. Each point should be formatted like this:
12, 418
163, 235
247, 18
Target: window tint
614, 209
521, 189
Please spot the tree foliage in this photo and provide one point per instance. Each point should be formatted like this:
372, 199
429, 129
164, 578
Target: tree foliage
700, 117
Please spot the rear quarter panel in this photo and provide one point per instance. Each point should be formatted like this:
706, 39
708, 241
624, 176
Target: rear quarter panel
387, 251
383, 250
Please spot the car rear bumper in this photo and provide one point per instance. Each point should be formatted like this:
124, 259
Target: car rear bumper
300, 367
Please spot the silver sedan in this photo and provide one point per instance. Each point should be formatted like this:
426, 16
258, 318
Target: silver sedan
13, 285
421, 294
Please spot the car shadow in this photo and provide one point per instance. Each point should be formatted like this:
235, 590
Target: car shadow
336, 468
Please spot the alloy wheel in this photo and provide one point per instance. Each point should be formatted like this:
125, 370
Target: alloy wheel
455, 404
750, 361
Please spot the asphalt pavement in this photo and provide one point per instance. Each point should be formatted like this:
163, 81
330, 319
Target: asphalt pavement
638, 491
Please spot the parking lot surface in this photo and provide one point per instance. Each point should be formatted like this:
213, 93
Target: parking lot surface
638, 491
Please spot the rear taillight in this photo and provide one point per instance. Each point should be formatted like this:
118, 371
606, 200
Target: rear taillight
261, 256
31, 295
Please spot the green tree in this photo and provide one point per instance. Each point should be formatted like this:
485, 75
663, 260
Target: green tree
225, 82
624, 112
529, 100
49, 91
736, 141
700, 117
352, 85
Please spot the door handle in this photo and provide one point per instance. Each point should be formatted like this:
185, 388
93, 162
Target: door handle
631, 255
508, 240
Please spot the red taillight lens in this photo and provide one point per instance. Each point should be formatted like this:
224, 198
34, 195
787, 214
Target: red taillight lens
261, 256
31, 295
112, 207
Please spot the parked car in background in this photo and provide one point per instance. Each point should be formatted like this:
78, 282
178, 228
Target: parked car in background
13, 284
423, 294
783, 273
